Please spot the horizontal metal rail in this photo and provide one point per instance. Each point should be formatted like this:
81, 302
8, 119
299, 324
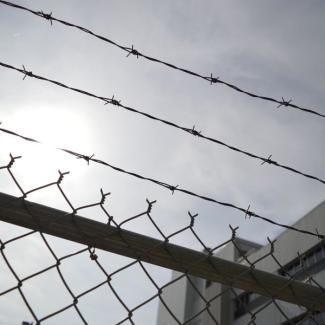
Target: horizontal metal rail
72, 227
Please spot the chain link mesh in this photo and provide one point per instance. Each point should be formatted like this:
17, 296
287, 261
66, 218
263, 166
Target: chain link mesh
128, 286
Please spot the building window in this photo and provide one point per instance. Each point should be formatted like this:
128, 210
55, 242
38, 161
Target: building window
317, 318
242, 302
312, 261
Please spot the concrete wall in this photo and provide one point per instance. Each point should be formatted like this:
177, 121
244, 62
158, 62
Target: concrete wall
183, 299
174, 296
194, 302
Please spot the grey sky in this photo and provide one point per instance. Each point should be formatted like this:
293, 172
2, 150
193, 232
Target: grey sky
272, 48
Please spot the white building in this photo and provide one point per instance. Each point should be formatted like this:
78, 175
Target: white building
238, 307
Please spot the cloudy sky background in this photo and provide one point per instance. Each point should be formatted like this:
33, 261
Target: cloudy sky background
273, 48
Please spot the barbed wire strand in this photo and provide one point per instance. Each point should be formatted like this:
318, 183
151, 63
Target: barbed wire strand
173, 188
191, 131
131, 50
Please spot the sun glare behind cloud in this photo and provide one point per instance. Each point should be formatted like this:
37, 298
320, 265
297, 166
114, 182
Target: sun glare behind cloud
54, 128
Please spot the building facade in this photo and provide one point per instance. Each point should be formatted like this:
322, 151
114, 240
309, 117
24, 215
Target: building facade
186, 296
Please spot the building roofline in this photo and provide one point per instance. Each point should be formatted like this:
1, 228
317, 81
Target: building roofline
306, 215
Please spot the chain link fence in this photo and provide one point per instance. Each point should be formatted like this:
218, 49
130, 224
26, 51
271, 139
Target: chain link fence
217, 285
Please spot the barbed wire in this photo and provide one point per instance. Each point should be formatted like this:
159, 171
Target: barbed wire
192, 131
132, 51
173, 188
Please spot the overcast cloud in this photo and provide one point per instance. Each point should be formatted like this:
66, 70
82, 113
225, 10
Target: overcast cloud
273, 48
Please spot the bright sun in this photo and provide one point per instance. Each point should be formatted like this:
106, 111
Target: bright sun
54, 129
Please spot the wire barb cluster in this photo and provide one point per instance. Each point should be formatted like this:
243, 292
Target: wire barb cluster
46, 16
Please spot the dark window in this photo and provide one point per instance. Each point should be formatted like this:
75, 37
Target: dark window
241, 303
208, 283
316, 318
312, 261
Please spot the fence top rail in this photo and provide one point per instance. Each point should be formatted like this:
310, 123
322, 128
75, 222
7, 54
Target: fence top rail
95, 234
